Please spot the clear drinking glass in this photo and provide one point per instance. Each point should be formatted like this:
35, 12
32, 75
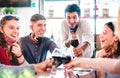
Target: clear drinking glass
74, 40
59, 59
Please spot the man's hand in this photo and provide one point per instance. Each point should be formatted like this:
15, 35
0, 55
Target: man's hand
78, 51
67, 43
43, 67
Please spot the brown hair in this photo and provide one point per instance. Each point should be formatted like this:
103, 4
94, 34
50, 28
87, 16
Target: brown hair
3, 44
37, 17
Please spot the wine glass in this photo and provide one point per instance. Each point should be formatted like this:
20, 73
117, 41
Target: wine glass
59, 59
74, 40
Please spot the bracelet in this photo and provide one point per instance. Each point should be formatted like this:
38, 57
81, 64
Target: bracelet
19, 55
22, 62
77, 76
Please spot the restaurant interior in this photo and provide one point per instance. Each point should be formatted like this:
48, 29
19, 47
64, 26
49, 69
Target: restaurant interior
96, 12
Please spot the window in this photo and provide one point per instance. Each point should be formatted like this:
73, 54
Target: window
15, 3
55, 8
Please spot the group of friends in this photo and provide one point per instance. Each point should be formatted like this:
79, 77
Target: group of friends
29, 52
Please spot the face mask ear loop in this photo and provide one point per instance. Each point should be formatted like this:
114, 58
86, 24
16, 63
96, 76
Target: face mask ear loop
3, 32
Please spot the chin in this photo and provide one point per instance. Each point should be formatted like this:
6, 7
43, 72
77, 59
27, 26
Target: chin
40, 36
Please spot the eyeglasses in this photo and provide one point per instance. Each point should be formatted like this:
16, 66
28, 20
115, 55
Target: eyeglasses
11, 17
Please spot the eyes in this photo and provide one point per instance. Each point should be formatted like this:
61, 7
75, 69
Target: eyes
41, 25
74, 17
13, 27
104, 32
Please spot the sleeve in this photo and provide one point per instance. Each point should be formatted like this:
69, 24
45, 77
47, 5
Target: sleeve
3, 57
52, 45
16, 71
87, 36
64, 34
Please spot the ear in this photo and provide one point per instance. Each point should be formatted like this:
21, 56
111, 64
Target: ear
1, 30
116, 38
31, 27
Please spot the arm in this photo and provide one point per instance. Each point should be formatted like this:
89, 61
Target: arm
78, 51
18, 53
65, 34
100, 64
86, 46
43, 67
88, 39
51, 44
26, 71
16, 71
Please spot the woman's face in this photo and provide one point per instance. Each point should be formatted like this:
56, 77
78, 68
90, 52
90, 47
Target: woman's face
107, 37
11, 30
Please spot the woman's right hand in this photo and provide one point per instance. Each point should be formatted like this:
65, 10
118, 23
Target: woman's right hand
73, 64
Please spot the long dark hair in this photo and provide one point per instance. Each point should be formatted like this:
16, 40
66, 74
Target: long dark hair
117, 51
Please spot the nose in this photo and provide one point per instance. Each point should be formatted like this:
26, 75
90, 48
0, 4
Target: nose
42, 27
16, 31
71, 20
100, 36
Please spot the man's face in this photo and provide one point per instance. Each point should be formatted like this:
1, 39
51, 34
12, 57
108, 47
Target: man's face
39, 28
72, 19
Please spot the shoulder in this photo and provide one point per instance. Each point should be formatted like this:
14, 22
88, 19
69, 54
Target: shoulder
24, 38
84, 25
64, 26
64, 23
47, 39
83, 22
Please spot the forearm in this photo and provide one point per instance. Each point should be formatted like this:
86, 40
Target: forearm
87, 51
22, 60
16, 69
101, 64
67, 43
85, 45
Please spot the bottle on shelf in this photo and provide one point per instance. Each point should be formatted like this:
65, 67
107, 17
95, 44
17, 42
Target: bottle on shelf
52, 36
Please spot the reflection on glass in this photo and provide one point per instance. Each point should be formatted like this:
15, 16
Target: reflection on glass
59, 57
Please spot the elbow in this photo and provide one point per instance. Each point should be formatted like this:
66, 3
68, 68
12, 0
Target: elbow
115, 68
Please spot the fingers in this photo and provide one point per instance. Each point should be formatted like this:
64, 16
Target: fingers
50, 62
70, 74
77, 52
69, 66
48, 70
16, 49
